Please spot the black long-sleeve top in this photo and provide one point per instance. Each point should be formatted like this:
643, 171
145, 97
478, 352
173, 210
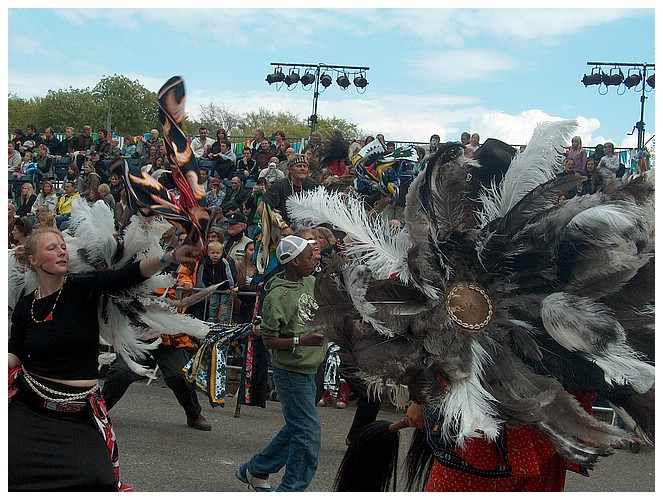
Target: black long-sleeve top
66, 347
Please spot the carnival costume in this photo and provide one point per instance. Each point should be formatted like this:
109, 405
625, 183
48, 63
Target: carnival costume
491, 309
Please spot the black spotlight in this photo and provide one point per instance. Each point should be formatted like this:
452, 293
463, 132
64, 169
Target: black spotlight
325, 80
613, 78
632, 80
275, 77
594, 79
292, 78
307, 79
360, 82
343, 81
650, 81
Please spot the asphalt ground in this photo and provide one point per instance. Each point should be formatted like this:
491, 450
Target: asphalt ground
159, 453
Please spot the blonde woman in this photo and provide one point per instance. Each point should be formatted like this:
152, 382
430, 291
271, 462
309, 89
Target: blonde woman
26, 200
578, 153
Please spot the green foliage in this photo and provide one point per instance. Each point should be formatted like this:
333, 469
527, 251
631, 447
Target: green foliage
21, 112
124, 106
127, 105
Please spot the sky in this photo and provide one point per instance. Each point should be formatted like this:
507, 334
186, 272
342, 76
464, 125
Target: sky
494, 71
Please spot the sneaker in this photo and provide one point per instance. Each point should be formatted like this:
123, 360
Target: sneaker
256, 483
199, 423
322, 402
340, 405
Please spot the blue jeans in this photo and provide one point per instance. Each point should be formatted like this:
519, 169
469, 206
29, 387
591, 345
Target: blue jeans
297, 444
220, 308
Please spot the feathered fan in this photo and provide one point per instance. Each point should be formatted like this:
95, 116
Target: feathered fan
489, 317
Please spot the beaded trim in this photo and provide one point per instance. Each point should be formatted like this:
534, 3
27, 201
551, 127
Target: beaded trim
456, 319
68, 396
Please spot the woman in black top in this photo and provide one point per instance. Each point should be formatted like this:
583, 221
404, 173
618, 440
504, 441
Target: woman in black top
60, 437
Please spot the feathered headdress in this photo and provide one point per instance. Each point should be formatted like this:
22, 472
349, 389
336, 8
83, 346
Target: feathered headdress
489, 316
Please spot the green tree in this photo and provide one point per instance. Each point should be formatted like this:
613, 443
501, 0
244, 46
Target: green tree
127, 106
69, 108
21, 112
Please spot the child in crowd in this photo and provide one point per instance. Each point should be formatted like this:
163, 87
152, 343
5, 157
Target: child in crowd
217, 267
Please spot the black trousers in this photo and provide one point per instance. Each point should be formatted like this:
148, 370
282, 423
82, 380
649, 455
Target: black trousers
170, 361
367, 407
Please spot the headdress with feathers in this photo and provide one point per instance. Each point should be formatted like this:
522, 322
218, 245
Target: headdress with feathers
564, 296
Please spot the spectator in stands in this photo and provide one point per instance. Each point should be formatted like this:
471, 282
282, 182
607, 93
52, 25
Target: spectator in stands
247, 165
283, 164
46, 200
122, 211
264, 153
45, 162
103, 193
102, 144
51, 141
578, 153
205, 178
10, 223
21, 229
473, 145
609, 164
237, 238
100, 166
115, 186
129, 147
599, 152
114, 150
252, 203
224, 158
64, 150
279, 138
74, 176
315, 144
216, 194
246, 270
236, 192
258, 136
32, 139
201, 144
143, 145
297, 181
26, 200
80, 145
282, 151
45, 219
15, 158
594, 181
271, 173
151, 157
91, 180
569, 168
18, 139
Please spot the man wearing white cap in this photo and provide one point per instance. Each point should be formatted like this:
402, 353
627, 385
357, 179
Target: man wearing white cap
296, 354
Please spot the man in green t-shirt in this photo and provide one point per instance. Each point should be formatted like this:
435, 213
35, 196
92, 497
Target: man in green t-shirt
296, 354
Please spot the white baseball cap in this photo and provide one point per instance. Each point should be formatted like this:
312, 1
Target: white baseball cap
290, 247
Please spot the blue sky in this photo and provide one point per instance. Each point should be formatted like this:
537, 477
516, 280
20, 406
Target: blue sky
497, 72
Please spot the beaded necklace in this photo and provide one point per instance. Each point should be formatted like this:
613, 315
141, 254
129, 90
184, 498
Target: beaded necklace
49, 316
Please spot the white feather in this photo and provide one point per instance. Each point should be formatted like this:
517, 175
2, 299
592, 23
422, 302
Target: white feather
371, 241
468, 406
540, 162
588, 327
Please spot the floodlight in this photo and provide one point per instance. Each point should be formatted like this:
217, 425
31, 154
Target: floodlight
360, 82
292, 78
343, 81
275, 77
325, 80
650, 81
307, 79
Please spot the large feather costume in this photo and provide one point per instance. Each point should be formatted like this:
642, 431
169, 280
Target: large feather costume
489, 317
132, 320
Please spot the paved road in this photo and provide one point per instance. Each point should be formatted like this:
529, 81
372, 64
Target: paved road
159, 453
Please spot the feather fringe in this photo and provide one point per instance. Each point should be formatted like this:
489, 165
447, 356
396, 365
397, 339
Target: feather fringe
371, 241
539, 163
